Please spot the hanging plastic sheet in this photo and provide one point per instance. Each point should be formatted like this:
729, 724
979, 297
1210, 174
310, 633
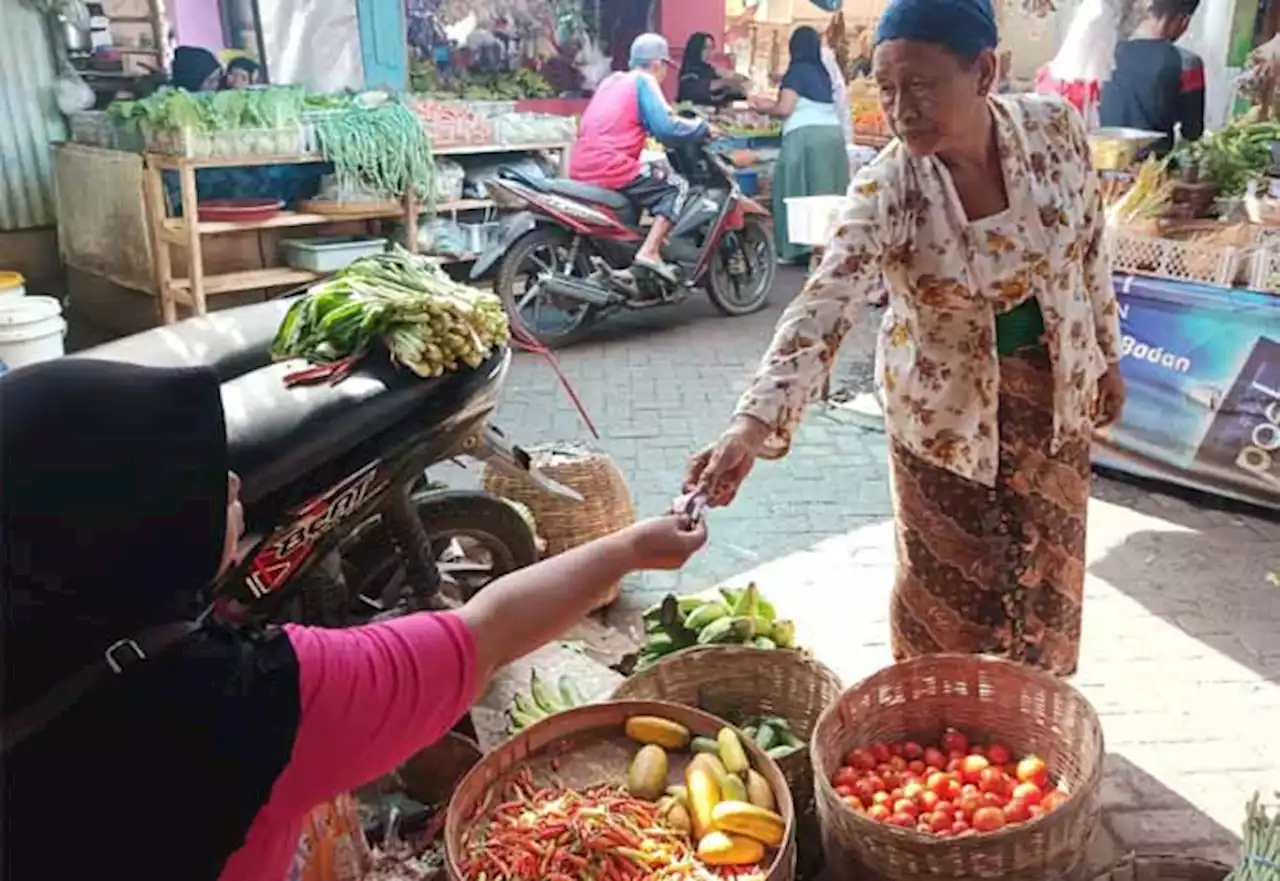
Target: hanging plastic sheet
312, 43
828, 5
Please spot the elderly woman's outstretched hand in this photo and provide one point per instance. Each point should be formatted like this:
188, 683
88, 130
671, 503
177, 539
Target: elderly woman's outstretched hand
719, 469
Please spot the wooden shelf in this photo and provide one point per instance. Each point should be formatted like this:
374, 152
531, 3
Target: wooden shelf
175, 228
251, 280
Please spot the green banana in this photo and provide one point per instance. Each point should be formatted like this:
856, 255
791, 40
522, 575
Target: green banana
569, 694
764, 608
705, 614
690, 604
727, 630
520, 721
747, 603
659, 644
784, 634
764, 627
524, 705
543, 696
764, 642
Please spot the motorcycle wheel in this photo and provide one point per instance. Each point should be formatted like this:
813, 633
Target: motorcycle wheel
748, 291
475, 538
552, 321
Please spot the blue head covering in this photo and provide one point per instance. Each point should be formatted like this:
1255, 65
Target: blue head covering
806, 75
965, 27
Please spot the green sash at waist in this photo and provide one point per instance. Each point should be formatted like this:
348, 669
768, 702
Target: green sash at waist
1021, 326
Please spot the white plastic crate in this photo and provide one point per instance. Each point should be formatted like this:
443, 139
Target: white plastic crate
329, 253
192, 144
811, 220
1138, 254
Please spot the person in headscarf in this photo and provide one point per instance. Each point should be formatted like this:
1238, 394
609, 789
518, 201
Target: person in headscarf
999, 353
243, 72
161, 749
700, 81
195, 69
813, 160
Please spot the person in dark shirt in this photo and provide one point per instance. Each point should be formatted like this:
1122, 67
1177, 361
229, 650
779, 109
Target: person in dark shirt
1156, 85
702, 83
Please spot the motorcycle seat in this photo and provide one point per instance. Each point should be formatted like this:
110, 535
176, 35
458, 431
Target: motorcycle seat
586, 192
276, 435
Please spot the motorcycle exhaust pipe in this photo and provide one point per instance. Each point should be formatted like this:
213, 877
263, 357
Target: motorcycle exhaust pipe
576, 289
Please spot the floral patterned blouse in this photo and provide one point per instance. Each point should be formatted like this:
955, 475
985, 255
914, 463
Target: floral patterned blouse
947, 278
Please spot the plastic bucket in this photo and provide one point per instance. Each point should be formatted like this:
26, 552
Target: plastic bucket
31, 330
12, 284
748, 181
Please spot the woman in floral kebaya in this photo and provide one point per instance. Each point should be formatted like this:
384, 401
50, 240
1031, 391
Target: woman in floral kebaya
998, 353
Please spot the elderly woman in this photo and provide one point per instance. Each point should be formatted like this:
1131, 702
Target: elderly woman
198, 749
998, 352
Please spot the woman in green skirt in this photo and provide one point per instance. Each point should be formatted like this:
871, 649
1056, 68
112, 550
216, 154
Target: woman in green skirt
813, 160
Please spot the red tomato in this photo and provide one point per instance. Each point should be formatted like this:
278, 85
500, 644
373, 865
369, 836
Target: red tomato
969, 805
864, 789
881, 752
891, 779
1029, 793
895, 794
995, 799
935, 757
912, 750
1017, 811
882, 798
877, 783
853, 802
1036, 811
999, 754
954, 764
913, 791
879, 813
959, 827
895, 748
954, 790
938, 782
917, 767
969, 789
944, 807
978, 749
954, 742
860, 759
972, 767
846, 791
945, 833
988, 819
1053, 800
1033, 770
923, 827
846, 776
906, 821
898, 763
992, 780
929, 800
906, 806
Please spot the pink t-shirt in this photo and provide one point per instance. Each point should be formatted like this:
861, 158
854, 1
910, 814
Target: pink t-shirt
370, 697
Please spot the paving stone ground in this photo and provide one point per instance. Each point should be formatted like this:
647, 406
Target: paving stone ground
1181, 652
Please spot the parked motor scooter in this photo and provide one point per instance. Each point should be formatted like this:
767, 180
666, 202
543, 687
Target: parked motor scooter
561, 263
343, 525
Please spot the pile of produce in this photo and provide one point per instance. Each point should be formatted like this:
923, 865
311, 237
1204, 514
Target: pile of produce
952, 788
1232, 156
449, 124
739, 616
466, 86
1259, 847
426, 320
236, 122
1145, 199
772, 734
382, 149
541, 702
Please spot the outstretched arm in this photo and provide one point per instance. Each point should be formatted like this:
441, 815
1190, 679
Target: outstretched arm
656, 115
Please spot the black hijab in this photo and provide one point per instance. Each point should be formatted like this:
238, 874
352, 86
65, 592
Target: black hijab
113, 497
693, 64
806, 74
191, 67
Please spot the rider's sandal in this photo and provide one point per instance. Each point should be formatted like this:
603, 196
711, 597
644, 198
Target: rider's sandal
658, 267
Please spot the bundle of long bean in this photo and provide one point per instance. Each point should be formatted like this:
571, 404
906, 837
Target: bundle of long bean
596, 834
1260, 847
383, 149
428, 322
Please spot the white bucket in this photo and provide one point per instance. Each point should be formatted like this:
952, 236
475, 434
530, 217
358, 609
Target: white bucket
31, 330
811, 220
11, 285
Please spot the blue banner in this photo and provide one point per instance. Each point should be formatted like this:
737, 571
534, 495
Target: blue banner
1202, 365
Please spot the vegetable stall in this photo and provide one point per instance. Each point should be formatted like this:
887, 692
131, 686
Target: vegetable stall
1195, 244
193, 198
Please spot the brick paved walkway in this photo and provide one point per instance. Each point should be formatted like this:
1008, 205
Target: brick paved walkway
1181, 651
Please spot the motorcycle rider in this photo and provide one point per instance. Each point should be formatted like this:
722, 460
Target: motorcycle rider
628, 107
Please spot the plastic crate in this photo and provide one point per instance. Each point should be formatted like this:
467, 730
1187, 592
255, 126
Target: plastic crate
329, 253
1138, 254
1264, 263
192, 144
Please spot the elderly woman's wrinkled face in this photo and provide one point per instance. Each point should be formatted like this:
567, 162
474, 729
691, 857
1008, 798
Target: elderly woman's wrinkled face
931, 98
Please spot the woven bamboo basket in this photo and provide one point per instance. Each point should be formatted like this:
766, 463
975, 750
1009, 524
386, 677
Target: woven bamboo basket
1164, 867
563, 523
1027, 709
586, 746
738, 683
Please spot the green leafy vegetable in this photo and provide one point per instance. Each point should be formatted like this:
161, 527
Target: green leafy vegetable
382, 149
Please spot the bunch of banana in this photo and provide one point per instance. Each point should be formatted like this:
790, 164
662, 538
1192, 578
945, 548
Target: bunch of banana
541, 701
739, 616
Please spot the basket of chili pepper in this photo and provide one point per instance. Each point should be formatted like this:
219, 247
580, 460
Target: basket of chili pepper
616, 792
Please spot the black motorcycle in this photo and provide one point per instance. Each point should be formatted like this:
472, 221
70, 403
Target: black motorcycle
343, 525
562, 262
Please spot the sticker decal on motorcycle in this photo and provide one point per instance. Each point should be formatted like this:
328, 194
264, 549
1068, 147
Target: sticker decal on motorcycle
286, 550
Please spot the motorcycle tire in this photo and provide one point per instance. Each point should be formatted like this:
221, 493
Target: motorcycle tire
513, 266
720, 288
328, 598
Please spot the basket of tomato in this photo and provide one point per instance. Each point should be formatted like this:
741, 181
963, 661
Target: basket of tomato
958, 766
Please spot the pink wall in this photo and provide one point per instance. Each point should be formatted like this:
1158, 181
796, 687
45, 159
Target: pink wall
678, 20
197, 23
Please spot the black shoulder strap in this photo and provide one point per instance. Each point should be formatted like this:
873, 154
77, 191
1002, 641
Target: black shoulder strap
123, 655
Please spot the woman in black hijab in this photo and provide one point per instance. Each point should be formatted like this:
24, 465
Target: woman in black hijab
700, 82
136, 745
195, 69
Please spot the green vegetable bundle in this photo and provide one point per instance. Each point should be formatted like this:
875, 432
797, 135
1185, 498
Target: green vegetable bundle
427, 321
271, 107
1232, 156
509, 86
739, 616
380, 149
1259, 847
